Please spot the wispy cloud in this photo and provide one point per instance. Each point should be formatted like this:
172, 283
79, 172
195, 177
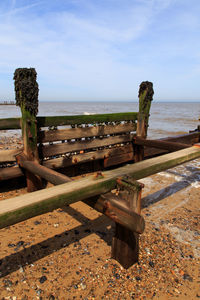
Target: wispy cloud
98, 49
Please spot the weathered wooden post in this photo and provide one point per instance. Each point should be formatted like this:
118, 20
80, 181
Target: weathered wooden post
145, 97
125, 243
26, 94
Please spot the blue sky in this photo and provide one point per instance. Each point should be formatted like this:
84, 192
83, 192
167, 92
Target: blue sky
102, 49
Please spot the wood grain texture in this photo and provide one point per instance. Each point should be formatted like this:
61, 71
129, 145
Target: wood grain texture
9, 155
63, 162
76, 133
23, 207
86, 119
60, 148
10, 123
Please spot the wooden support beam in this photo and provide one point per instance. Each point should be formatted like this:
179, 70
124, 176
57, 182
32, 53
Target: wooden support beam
160, 144
10, 123
9, 155
86, 119
77, 133
46, 173
116, 208
145, 98
61, 148
26, 206
125, 243
10, 173
26, 94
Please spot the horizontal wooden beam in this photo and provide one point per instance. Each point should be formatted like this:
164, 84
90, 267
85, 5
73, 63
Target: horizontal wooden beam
189, 139
26, 206
10, 173
118, 211
9, 155
86, 119
10, 123
46, 173
108, 153
61, 148
76, 133
160, 144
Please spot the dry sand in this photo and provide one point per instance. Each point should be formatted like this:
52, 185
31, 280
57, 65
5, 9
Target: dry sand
65, 254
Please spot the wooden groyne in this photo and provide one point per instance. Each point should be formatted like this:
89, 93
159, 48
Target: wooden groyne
103, 143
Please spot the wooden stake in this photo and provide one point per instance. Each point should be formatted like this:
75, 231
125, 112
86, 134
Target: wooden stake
145, 97
26, 94
125, 244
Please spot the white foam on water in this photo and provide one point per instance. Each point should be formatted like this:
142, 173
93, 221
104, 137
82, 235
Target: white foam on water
196, 184
185, 237
88, 114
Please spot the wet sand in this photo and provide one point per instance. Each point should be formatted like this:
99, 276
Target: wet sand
65, 254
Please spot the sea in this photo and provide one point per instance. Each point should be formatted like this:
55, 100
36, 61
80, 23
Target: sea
166, 118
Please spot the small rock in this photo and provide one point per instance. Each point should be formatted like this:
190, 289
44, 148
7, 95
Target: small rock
39, 292
83, 286
21, 270
8, 283
138, 278
151, 263
43, 279
11, 245
187, 277
117, 276
37, 222
56, 225
198, 295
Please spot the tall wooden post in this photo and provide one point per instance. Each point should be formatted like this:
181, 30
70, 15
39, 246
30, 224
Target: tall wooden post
26, 94
145, 97
125, 243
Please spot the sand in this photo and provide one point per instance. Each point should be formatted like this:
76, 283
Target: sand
65, 254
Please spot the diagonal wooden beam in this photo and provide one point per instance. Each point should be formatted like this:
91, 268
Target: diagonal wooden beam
26, 206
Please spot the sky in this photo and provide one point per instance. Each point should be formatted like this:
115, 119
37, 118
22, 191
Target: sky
101, 50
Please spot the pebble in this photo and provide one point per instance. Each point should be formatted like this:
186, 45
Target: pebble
83, 286
187, 277
151, 263
43, 279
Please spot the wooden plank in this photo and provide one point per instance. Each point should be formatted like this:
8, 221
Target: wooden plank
125, 243
10, 173
60, 148
63, 162
48, 174
86, 119
9, 155
76, 133
23, 207
10, 123
161, 144
115, 208
118, 159
190, 139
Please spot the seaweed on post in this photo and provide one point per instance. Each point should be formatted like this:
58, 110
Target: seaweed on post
26, 94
